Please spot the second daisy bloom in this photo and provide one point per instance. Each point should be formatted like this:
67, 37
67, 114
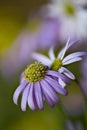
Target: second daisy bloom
58, 63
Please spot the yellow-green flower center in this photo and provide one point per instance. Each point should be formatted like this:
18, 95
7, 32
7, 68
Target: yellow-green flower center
35, 72
56, 64
69, 9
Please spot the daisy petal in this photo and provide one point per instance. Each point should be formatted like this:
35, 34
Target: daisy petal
41, 58
58, 75
67, 73
54, 84
72, 60
63, 51
62, 83
51, 54
73, 42
25, 98
74, 55
38, 95
22, 78
47, 98
17, 92
31, 100
49, 91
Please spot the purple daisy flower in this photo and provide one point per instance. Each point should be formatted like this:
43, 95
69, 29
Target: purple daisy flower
58, 63
76, 126
37, 84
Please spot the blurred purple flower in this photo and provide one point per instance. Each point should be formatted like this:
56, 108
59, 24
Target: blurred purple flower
72, 126
58, 63
37, 84
49, 33
83, 81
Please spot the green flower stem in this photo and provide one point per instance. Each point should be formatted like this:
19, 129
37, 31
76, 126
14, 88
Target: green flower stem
57, 63
85, 100
62, 115
84, 96
62, 112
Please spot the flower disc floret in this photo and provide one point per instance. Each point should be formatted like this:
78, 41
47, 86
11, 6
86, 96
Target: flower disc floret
57, 63
69, 9
35, 72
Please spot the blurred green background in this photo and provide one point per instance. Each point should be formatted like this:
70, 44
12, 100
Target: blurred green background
13, 17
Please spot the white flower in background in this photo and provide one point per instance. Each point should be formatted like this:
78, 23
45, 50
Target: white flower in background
72, 16
81, 2
58, 63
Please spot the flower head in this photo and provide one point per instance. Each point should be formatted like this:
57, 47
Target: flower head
58, 63
69, 13
37, 84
